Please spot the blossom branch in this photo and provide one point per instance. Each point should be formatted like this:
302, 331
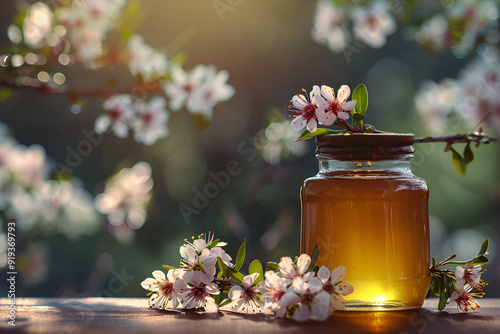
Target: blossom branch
477, 137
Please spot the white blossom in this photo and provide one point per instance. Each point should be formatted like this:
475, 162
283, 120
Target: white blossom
150, 123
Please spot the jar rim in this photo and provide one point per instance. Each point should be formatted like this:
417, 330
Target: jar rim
366, 146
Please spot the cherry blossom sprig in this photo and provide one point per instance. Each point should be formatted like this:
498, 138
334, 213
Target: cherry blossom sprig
298, 289
323, 107
457, 286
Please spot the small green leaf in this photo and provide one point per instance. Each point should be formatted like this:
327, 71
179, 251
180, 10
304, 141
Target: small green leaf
314, 258
480, 260
458, 162
433, 261
319, 132
442, 301
168, 267
240, 256
484, 247
358, 120
468, 155
235, 275
256, 267
272, 266
360, 94
213, 244
222, 267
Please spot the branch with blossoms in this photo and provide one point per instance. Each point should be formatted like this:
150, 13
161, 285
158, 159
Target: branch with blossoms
48, 39
297, 289
457, 286
323, 107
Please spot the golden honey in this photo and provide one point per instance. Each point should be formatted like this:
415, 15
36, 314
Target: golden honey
371, 217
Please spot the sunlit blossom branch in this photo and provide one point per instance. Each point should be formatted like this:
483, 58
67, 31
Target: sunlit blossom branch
102, 93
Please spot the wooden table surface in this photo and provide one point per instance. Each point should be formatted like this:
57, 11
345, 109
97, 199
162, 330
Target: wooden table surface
132, 315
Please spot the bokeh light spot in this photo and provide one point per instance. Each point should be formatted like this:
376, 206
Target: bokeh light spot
43, 76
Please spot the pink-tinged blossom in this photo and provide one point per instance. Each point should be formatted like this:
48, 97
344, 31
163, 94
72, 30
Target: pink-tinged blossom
150, 123
197, 267
314, 304
183, 85
117, 114
199, 295
213, 90
329, 26
144, 59
464, 300
126, 196
245, 298
291, 270
305, 110
374, 24
272, 289
334, 286
469, 275
166, 291
331, 108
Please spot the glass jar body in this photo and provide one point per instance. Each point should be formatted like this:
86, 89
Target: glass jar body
372, 217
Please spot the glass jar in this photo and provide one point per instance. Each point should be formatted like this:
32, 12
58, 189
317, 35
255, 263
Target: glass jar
367, 211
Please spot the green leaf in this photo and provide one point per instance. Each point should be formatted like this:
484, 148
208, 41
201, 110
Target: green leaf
468, 155
484, 247
201, 122
358, 120
222, 267
240, 257
168, 267
319, 132
442, 301
235, 275
272, 266
314, 258
458, 162
360, 94
256, 267
433, 261
213, 244
480, 260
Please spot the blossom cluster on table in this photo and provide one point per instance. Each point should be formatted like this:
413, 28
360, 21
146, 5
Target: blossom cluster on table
298, 288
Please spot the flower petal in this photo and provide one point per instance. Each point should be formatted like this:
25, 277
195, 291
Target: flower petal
323, 273
159, 275
348, 105
327, 93
235, 292
325, 118
299, 101
343, 115
302, 313
459, 272
299, 285
212, 289
338, 302
147, 283
308, 276
298, 123
210, 305
303, 263
343, 93
188, 253
286, 267
200, 244
344, 288
338, 274
249, 279
289, 298
312, 125
315, 285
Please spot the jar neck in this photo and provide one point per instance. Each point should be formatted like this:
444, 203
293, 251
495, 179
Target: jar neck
397, 166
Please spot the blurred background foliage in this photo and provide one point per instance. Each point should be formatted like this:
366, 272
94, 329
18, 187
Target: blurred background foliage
266, 47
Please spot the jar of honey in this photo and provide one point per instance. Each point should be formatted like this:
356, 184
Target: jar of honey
367, 211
